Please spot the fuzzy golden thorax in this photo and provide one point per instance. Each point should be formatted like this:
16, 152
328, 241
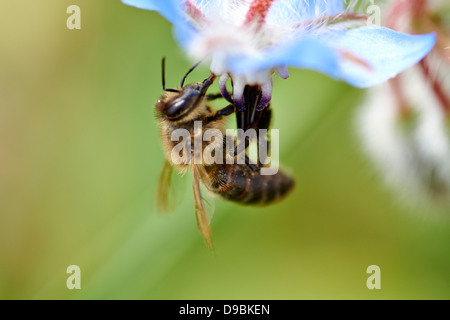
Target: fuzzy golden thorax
180, 110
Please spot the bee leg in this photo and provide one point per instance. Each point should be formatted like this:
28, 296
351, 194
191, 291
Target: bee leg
210, 97
264, 119
222, 113
242, 146
229, 109
239, 149
251, 165
255, 124
256, 120
240, 120
262, 158
264, 123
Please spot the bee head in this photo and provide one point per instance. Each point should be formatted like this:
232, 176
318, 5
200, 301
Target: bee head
176, 103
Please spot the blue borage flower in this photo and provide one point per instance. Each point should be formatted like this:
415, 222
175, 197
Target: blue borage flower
250, 40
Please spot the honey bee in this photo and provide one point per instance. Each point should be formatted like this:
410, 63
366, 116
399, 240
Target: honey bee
242, 183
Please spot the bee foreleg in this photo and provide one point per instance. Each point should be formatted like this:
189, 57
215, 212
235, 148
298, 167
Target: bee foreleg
222, 113
210, 97
229, 109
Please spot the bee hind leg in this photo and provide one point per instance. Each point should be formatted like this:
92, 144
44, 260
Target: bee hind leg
260, 120
264, 123
247, 160
251, 165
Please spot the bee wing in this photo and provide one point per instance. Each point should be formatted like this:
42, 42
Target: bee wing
207, 196
201, 212
169, 188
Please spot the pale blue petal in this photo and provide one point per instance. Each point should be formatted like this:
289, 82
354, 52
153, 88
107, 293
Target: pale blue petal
324, 7
169, 9
388, 53
306, 53
291, 12
209, 6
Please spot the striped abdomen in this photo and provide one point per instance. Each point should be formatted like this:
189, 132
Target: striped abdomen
238, 183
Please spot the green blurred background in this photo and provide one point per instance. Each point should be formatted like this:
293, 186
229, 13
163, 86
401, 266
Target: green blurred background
80, 159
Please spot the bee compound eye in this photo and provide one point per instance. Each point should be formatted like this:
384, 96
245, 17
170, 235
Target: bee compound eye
178, 103
176, 107
183, 103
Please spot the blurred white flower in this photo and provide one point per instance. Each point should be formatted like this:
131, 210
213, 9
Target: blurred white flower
404, 125
410, 148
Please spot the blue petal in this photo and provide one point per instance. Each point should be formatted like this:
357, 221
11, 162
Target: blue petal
286, 12
320, 7
385, 52
388, 53
169, 9
209, 6
307, 53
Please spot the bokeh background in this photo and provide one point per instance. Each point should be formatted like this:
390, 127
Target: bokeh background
80, 158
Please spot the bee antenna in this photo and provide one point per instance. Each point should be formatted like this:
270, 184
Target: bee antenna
163, 69
189, 71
